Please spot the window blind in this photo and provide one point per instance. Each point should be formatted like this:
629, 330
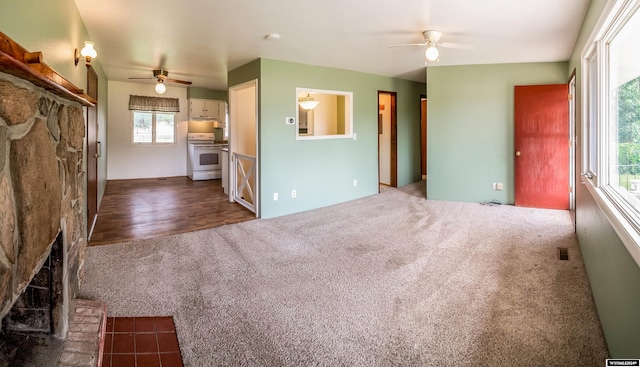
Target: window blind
145, 103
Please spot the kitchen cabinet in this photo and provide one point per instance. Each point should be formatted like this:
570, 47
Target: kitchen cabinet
222, 111
207, 109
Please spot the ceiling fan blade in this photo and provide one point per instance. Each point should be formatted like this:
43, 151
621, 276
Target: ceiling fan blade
456, 45
177, 81
141, 78
409, 44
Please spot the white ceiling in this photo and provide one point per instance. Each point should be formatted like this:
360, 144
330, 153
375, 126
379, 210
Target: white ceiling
201, 40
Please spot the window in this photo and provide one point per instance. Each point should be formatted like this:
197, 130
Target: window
611, 149
623, 138
150, 127
330, 117
153, 119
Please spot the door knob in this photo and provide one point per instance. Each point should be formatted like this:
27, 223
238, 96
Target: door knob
517, 153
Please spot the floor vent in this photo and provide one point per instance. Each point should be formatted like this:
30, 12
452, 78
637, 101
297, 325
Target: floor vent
563, 253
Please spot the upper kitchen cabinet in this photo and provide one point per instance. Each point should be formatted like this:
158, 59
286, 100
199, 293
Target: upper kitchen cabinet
207, 109
222, 111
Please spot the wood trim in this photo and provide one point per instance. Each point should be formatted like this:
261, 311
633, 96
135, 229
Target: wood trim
17, 61
573, 75
394, 140
423, 135
92, 150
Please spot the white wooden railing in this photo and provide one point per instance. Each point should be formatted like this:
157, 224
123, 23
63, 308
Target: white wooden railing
244, 171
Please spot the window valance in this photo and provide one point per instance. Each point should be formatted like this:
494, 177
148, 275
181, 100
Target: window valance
145, 103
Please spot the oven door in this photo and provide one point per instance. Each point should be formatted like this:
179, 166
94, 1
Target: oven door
207, 158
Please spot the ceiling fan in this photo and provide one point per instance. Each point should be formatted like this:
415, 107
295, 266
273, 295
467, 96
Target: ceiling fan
432, 41
161, 77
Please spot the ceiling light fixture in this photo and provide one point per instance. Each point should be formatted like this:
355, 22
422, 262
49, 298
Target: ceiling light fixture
88, 52
432, 52
308, 103
160, 87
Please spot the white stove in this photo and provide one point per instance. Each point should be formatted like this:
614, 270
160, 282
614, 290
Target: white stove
204, 157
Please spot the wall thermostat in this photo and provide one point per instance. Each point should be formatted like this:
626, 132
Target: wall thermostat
290, 120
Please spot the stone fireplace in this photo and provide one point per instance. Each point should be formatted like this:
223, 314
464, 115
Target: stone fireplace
42, 184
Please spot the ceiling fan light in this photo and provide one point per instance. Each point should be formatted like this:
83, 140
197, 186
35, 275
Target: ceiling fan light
432, 52
160, 88
308, 103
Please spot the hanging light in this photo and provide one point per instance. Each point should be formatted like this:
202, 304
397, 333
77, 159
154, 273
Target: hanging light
160, 87
432, 52
308, 103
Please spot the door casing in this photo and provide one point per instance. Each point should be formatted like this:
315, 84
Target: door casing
572, 141
92, 151
235, 139
393, 153
423, 136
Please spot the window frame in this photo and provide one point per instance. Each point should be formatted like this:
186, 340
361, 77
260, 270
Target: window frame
153, 141
591, 117
597, 175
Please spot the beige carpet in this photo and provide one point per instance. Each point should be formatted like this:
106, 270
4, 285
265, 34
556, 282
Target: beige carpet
387, 280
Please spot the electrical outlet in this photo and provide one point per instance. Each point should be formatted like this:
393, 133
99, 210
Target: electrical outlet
499, 186
355, 136
275, 196
495, 185
355, 183
294, 193
290, 120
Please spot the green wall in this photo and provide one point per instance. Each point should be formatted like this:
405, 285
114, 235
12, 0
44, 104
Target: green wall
197, 92
53, 27
244, 73
322, 171
470, 127
56, 29
613, 274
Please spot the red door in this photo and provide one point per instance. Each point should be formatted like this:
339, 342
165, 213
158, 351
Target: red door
541, 145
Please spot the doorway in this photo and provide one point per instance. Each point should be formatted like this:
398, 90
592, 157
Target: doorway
93, 151
541, 162
387, 140
243, 146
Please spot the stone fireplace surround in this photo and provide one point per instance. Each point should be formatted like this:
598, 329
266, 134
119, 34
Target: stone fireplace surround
41, 191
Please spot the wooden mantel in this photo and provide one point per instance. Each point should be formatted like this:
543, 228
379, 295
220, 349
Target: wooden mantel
17, 61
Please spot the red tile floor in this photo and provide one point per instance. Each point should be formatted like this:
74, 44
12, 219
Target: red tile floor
141, 342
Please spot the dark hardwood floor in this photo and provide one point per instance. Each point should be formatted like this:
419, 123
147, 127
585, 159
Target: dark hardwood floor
145, 208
